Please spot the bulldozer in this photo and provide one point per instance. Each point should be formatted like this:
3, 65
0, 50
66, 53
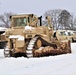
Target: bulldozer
66, 35
29, 38
2, 37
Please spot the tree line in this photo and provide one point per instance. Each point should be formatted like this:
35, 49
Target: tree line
5, 19
61, 19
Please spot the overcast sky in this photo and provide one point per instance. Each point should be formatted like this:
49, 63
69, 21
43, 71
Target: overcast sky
36, 6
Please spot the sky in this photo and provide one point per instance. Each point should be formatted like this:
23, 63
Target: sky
38, 7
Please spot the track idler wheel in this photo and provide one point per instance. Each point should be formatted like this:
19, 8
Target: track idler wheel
38, 44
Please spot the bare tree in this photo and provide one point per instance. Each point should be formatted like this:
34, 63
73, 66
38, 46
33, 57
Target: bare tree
5, 19
73, 22
64, 19
54, 17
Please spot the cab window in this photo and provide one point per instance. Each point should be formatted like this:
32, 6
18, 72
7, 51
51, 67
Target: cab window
20, 21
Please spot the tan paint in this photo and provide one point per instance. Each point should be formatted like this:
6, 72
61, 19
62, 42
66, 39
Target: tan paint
31, 20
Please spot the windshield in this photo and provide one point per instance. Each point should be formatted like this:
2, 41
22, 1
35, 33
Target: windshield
62, 33
66, 33
22, 21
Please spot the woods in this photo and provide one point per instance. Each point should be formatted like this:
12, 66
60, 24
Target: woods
5, 19
61, 19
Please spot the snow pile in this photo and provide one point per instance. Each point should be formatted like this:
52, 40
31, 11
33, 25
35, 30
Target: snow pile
14, 36
2, 29
73, 47
19, 37
40, 48
1, 53
29, 28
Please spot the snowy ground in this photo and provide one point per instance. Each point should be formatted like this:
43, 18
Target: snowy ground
53, 65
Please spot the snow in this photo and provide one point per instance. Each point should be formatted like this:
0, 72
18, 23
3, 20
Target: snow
2, 29
73, 47
40, 48
64, 64
29, 28
19, 37
14, 36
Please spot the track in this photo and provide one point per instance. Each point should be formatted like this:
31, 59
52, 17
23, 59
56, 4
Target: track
6, 52
30, 46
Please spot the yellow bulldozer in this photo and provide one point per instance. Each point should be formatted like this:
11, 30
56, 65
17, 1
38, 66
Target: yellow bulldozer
28, 37
2, 39
66, 35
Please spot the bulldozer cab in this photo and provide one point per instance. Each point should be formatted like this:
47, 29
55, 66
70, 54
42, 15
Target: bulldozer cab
24, 20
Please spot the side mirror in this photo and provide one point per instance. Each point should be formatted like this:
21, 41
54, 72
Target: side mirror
10, 18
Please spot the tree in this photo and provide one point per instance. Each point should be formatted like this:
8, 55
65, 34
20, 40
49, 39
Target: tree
5, 19
54, 16
73, 22
64, 19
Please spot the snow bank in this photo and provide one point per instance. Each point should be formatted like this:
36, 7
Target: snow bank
1, 53
73, 47
29, 28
